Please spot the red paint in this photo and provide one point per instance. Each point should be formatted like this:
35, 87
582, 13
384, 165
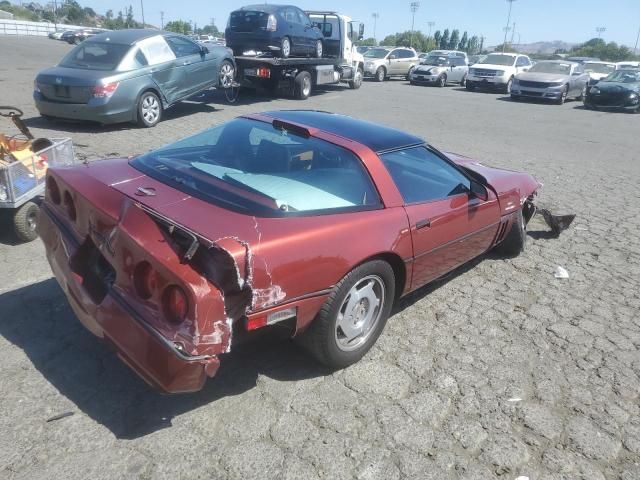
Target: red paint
293, 262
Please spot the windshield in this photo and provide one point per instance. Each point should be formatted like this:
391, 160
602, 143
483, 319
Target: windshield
551, 67
623, 76
95, 56
253, 167
376, 53
435, 60
493, 59
599, 67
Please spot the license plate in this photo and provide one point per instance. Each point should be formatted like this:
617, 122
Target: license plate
62, 91
250, 72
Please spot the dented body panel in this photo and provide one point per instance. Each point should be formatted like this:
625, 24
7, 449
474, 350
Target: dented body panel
235, 267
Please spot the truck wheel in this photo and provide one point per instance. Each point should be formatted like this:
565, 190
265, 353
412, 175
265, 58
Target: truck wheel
285, 47
353, 317
302, 86
357, 80
380, 74
25, 221
318, 51
149, 110
515, 241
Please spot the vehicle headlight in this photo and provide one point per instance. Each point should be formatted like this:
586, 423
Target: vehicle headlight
556, 84
595, 90
499, 73
633, 95
4, 195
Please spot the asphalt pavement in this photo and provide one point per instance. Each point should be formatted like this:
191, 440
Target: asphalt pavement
499, 371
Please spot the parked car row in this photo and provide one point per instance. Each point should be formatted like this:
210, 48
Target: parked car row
76, 36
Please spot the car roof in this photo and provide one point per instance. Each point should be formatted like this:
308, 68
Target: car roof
378, 138
126, 37
263, 7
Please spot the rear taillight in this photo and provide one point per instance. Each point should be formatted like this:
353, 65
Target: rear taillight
145, 280
70, 206
102, 91
175, 304
263, 72
53, 192
272, 23
36, 87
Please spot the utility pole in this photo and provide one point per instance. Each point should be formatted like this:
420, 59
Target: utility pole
161, 20
142, 9
601, 30
513, 32
431, 25
414, 8
375, 16
55, 15
506, 29
635, 49
481, 43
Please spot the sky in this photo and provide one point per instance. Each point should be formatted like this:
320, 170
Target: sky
541, 20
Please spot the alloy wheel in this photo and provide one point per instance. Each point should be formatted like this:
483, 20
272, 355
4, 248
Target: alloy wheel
150, 109
227, 74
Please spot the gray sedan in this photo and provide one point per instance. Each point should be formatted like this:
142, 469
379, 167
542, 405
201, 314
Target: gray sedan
551, 80
130, 75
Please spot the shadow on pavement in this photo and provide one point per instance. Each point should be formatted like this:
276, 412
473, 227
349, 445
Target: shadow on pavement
38, 320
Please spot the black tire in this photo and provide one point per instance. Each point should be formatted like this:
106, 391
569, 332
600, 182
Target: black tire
470, 87
149, 110
302, 86
463, 82
321, 338
318, 51
356, 83
442, 81
515, 241
285, 51
25, 221
381, 74
563, 96
507, 87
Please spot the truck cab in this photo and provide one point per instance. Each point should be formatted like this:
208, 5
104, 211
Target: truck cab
340, 34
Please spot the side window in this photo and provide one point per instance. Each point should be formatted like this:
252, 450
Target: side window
422, 176
156, 50
394, 54
182, 47
406, 54
304, 20
290, 15
458, 62
523, 62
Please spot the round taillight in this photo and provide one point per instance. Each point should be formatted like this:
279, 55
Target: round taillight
175, 304
70, 206
53, 190
145, 280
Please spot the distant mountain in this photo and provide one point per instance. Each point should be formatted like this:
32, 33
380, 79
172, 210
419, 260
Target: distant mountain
544, 47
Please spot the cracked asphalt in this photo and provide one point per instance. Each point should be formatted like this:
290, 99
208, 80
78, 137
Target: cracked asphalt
499, 371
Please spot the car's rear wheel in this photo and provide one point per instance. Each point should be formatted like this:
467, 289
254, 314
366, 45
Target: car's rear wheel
515, 241
381, 73
442, 80
302, 86
318, 50
285, 47
25, 221
149, 110
353, 317
356, 83
227, 74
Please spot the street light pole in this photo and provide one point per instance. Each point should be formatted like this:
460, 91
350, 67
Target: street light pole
431, 25
142, 9
375, 16
414, 8
161, 20
635, 49
506, 29
601, 30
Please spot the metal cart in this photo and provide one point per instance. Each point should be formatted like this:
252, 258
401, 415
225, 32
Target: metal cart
23, 177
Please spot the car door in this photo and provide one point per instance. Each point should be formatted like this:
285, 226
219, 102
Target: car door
295, 30
449, 226
408, 60
167, 71
394, 61
197, 65
308, 34
458, 69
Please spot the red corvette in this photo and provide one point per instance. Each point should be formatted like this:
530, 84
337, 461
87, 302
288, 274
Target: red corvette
301, 218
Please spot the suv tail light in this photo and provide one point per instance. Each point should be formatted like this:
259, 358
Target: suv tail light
263, 72
272, 23
36, 87
175, 304
102, 91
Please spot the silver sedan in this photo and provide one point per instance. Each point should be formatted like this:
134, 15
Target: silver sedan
554, 80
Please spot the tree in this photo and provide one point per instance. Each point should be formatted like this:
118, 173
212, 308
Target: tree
597, 47
464, 42
368, 42
130, 22
454, 40
178, 26
507, 48
389, 40
444, 41
474, 45
437, 37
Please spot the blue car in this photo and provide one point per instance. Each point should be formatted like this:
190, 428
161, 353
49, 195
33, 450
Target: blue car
282, 30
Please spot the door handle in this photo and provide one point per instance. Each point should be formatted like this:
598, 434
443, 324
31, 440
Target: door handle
186, 63
424, 223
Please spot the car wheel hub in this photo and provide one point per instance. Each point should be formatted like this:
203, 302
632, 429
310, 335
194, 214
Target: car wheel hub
359, 313
227, 73
306, 86
150, 109
286, 47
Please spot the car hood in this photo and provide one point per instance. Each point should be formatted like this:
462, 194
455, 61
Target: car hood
618, 87
511, 187
73, 76
430, 68
542, 77
488, 66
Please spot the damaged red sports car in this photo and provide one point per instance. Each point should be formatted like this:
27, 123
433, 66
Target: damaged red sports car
311, 219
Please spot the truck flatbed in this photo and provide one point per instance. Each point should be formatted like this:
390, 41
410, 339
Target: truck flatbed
286, 62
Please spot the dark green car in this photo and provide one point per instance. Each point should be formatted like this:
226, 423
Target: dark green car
130, 76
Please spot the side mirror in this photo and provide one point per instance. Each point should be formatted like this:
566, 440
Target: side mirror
203, 50
479, 191
361, 32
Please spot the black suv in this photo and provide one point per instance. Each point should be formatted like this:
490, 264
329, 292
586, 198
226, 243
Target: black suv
283, 30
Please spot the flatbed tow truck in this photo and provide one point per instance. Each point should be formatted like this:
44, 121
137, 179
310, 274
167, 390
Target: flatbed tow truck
298, 76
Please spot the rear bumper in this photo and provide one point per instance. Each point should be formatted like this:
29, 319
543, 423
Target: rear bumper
153, 357
101, 111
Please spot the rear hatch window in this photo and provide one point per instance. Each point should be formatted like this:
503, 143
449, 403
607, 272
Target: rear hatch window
247, 20
95, 56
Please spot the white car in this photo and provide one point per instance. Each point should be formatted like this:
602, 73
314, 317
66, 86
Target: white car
497, 71
598, 70
627, 65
